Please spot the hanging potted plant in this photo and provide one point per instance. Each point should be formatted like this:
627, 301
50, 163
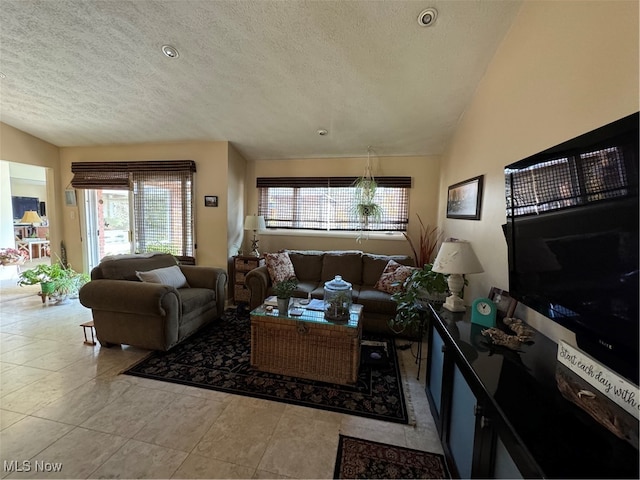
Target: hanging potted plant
366, 209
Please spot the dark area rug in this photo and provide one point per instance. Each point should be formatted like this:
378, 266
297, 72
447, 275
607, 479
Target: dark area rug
218, 357
359, 458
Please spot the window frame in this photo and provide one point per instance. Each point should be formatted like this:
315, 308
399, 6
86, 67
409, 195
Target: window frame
305, 215
176, 177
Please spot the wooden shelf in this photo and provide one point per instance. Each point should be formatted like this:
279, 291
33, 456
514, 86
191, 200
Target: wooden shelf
242, 265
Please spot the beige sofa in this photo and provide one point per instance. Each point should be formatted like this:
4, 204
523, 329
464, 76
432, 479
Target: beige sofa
151, 315
313, 268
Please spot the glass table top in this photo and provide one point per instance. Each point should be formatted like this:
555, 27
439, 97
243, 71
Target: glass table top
310, 316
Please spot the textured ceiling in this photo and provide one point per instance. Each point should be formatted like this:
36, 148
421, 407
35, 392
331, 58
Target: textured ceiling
265, 75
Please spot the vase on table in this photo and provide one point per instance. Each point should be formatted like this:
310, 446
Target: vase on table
283, 306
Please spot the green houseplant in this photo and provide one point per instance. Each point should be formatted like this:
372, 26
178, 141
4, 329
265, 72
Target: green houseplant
43, 275
421, 286
55, 280
69, 284
284, 291
365, 208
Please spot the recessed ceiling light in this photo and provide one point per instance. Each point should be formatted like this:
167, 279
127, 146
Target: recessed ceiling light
169, 51
427, 17
322, 132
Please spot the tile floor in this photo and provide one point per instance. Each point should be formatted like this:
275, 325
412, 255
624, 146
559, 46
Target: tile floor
66, 411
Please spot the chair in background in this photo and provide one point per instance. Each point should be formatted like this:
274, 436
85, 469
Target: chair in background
23, 246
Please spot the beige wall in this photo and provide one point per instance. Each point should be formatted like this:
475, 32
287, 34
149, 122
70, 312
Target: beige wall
19, 147
210, 179
563, 69
423, 197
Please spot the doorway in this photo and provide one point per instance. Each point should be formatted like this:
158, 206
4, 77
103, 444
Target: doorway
109, 224
24, 188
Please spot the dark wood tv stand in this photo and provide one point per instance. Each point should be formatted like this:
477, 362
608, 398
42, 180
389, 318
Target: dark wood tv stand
499, 412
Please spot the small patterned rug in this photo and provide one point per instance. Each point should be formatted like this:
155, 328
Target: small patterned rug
359, 458
218, 358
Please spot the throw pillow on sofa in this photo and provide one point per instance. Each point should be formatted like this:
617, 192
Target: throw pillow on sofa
279, 266
171, 276
393, 273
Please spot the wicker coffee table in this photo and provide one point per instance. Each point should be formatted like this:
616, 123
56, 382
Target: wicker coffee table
307, 346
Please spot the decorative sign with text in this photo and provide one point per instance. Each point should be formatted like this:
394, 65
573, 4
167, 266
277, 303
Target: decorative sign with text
623, 393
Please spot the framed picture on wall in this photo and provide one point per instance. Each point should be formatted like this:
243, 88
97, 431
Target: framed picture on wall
70, 197
210, 200
465, 198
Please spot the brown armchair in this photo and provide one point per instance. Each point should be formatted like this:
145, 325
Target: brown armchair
150, 315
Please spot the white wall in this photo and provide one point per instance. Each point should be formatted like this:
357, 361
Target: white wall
564, 68
6, 209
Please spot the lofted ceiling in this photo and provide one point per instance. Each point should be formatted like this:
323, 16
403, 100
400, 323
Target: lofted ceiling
265, 75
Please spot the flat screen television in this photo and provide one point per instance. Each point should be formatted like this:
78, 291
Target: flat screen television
572, 236
22, 204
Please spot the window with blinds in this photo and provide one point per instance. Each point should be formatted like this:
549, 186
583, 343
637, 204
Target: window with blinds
162, 199
328, 203
162, 208
567, 182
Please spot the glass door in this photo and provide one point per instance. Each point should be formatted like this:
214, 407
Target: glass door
108, 215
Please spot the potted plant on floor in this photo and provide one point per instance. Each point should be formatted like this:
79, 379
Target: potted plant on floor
423, 285
284, 291
428, 243
68, 284
42, 275
56, 281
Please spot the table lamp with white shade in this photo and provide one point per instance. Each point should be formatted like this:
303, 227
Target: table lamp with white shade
456, 258
255, 223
